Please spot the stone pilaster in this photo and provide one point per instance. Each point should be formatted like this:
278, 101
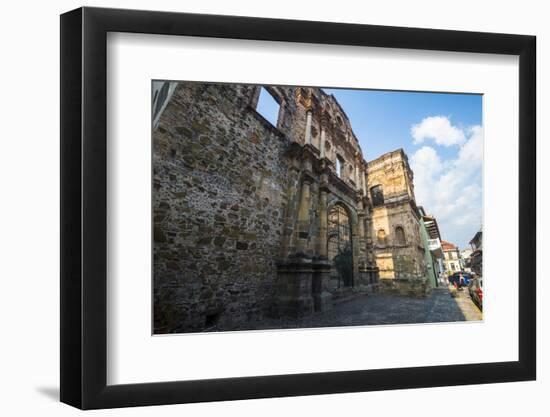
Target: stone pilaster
323, 138
295, 274
372, 268
363, 265
323, 224
294, 287
290, 215
303, 221
322, 298
307, 137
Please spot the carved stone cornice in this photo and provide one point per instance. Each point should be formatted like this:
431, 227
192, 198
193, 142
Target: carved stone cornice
341, 185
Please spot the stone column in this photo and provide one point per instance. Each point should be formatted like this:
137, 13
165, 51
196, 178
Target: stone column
365, 182
361, 215
308, 128
303, 217
355, 249
323, 225
373, 272
363, 275
369, 236
296, 273
322, 142
357, 176
322, 298
290, 214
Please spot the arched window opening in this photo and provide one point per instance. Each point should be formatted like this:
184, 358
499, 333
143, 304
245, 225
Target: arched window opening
381, 237
400, 236
340, 166
377, 195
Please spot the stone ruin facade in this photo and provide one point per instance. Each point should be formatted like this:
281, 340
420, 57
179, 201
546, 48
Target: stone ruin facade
398, 245
254, 220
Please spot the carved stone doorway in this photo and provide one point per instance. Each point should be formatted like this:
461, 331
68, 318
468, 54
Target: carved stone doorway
340, 247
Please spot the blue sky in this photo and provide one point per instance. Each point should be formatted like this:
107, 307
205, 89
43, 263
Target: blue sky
382, 120
442, 135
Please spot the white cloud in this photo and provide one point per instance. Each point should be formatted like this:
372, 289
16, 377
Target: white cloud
439, 129
451, 189
472, 151
428, 158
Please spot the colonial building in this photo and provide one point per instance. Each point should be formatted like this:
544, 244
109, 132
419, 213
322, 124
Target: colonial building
398, 246
465, 255
433, 251
429, 222
253, 219
476, 257
453, 260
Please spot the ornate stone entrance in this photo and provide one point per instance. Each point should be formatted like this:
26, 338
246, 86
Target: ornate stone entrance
340, 248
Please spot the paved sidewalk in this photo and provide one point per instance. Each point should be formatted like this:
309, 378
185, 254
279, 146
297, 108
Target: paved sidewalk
386, 309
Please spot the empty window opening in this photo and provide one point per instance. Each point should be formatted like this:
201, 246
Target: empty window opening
381, 237
268, 107
377, 195
339, 166
400, 235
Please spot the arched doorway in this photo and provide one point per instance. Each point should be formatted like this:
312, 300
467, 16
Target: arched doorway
340, 247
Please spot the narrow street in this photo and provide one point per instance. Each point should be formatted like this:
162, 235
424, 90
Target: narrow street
379, 309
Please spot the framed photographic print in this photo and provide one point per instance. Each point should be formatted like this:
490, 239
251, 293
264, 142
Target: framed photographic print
256, 208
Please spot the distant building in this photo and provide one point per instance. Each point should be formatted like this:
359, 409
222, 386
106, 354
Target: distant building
453, 260
476, 257
465, 254
433, 251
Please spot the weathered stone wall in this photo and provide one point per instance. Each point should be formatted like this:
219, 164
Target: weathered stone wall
220, 195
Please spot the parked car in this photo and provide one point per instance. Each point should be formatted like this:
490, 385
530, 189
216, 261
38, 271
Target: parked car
476, 291
460, 279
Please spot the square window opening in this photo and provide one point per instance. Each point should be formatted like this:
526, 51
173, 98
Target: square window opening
268, 107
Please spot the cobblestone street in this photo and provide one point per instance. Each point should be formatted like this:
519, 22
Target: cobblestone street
386, 309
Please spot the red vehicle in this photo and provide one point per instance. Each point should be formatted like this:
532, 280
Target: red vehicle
476, 291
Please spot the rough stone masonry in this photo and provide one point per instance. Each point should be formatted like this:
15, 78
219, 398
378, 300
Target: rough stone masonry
252, 220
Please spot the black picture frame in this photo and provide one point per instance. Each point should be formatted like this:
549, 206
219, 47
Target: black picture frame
84, 207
